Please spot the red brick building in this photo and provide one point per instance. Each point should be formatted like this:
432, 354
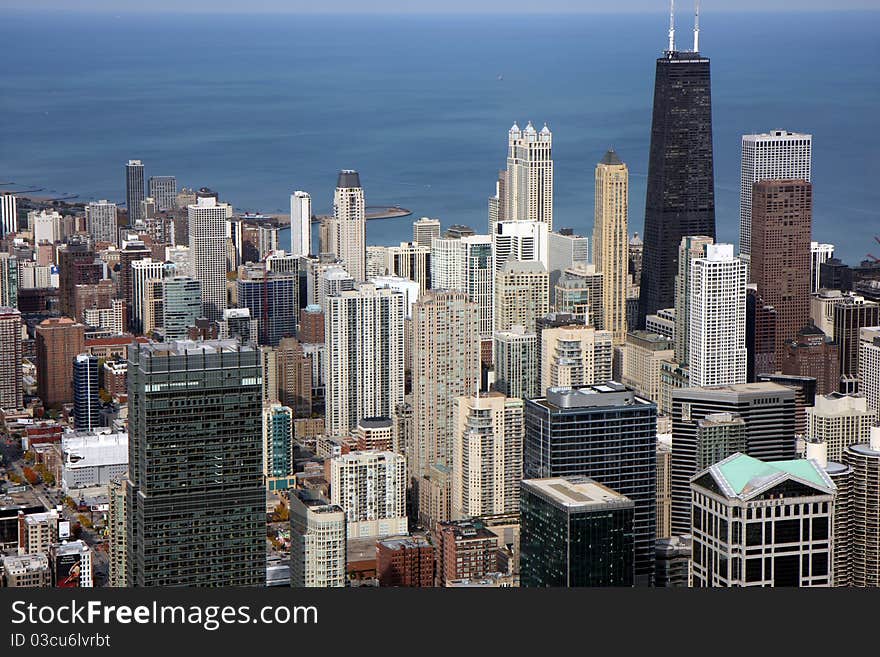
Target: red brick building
466, 550
311, 325
58, 341
812, 353
406, 561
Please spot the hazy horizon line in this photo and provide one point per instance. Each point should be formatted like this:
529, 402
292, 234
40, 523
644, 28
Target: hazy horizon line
118, 11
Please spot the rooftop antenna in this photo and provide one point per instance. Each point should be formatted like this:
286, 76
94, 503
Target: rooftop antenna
697, 27
671, 25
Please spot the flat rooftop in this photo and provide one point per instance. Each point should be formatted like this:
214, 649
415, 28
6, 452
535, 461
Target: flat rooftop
599, 395
183, 347
576, 493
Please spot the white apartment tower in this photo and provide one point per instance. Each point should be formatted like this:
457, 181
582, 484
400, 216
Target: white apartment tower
347, 229
520, 240
300, 224
840, 421
317, 542
207, 247
717, 318
776, 155
465, 264
869, 365
364, 364
8, 214
819, 253
529, 190
370, 487
101, 221
576, 355
487, 455
425, 230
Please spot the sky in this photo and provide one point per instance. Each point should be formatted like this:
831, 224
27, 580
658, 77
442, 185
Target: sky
433, 6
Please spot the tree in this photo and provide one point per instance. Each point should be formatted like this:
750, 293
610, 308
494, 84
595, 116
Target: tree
32, 477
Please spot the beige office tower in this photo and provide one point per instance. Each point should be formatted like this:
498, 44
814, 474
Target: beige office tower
317, 542
347, 229
425, 230
118, 572
840, 420
644, 354
446, 366
864, 511
691, 248
521, 294
529, 191
207, 247
575, 356
611, 241
487, 455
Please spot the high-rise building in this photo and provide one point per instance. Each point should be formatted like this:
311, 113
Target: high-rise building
717, 318
610, 241
58, 341
521, 294
529, 180
8, 214
371, 488
680, 197
317, 542
347, 228
575, 532
163, 190
566, 249
851, 314
446, 366
576, 355
278, 446
864, 510
782, 513
365, 353
273, 299
300, 223
516, 363
768, 411
10, 359
181, 306
175, 536
609, 434
776, 155
9, 282
101, 221
579, 291
781, 224
520, 240
664, 486
409, 260
840, 421
294, 377
487, 455
466, 264
691, 248
869, 365
86, 402
812, 353
77, 265
819, 253
760, 335
143, 289
643, 354
425, 230
116, 539
207, 247
468, 550
134, 190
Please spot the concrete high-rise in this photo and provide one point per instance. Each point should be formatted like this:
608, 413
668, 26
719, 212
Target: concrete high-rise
768, 411
143, 274
851, 314
609, 434
680, 196
466, 264
446, 366
819, 253
58, 341
317, 542
521, 294
610, 241
576, 355
101, 221
371, 488
300, 223
520, 240
425, 230
163, 190
516, 363
529, 190
575, 532
364, 356
10, 359
781, 511
864, 510
869, 365
487, 455
134, 190
175, 535
840, 421
207, 247
347, 230
781, 225
717, 318
776, 155
294, 377
691, 248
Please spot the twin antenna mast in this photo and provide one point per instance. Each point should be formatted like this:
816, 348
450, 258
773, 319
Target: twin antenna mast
672, 26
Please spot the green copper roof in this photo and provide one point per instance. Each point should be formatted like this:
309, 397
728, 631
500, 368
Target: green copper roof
740, 469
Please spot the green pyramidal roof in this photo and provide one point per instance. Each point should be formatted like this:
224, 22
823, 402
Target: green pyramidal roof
739, 470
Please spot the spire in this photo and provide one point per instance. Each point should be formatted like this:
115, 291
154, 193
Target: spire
671, 25
697, 26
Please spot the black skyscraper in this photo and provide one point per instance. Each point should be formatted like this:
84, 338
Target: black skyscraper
681, 189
